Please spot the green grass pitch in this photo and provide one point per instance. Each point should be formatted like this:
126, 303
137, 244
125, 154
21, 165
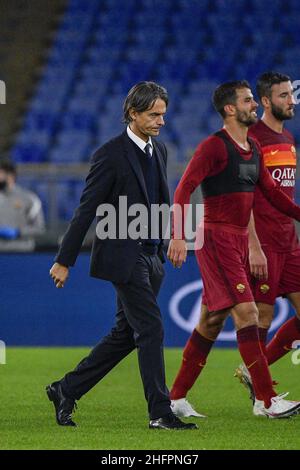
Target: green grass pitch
113, 415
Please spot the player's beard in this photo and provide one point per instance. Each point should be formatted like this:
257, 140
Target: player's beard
245, 118
279, 114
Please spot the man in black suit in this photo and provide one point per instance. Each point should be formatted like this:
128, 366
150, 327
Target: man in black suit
132, 165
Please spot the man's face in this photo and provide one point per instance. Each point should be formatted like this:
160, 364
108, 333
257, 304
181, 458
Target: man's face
245, 107
282, 101
149, 122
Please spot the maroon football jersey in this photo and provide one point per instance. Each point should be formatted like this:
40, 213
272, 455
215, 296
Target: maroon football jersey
234, 209
274, 229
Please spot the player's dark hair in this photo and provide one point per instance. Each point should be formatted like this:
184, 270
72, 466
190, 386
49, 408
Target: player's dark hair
267, 80
8, 166
226, 94
142, 96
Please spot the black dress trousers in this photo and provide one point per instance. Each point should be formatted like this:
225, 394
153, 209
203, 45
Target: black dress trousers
138, 325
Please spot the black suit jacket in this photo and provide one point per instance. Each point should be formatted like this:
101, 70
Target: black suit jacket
115, 171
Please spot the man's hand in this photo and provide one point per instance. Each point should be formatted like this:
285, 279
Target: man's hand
59, 274
258, 263
177, 252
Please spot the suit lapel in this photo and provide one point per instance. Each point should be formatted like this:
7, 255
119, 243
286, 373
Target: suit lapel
135, 164
162, 173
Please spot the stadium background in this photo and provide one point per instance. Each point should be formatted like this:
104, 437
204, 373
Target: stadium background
67, 66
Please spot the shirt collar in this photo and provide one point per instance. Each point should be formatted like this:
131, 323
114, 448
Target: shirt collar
138, 141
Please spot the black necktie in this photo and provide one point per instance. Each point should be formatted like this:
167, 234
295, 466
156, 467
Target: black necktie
147, 149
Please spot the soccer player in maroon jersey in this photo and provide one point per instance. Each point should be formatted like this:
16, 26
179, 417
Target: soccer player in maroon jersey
274, 249
228, 165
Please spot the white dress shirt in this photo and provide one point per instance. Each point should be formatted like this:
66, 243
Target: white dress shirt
138, 141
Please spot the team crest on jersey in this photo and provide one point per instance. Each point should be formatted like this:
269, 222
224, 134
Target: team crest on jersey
264, 288
241, 288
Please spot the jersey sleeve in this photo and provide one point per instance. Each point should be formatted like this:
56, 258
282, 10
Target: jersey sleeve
274, 195
209, 159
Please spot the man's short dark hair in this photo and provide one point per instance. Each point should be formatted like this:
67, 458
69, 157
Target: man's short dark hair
226, 94
8, 166
267, 80
142, 96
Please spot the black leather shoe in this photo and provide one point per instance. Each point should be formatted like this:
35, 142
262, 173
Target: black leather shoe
64, 406
171, 421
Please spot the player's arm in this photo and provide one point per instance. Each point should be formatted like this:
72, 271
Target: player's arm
99, 183
274, 195
209, 158
257, 258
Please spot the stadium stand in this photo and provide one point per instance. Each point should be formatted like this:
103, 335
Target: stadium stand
26, 29
102, 48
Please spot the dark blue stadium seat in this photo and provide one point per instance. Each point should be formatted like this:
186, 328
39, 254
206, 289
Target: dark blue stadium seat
29, 153
102, 48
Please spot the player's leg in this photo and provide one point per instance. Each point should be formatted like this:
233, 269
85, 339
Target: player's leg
294, 298
289, 332
265, 319
264, 293
245, 316
211, 323
289, 286
265, 315
194, 358
225, 284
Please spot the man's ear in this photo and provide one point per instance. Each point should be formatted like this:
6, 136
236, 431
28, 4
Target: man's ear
229, 109
266, 102
132, 114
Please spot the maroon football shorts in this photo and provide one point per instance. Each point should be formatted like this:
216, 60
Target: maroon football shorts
283, 276
223, 262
